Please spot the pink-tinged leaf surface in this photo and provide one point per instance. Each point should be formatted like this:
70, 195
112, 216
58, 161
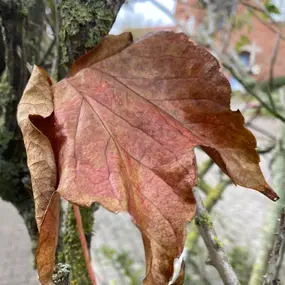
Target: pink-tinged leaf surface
125, 125
128, 125
37, 103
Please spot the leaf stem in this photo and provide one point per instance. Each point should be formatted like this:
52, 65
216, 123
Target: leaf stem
84, 244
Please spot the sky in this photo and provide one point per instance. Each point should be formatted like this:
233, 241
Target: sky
143, 14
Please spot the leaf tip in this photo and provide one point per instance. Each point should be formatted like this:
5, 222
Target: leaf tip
269, 193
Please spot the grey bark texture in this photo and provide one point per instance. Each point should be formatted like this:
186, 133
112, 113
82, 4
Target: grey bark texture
276, 256
217, 255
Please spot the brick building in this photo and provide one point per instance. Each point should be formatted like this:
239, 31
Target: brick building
257, 53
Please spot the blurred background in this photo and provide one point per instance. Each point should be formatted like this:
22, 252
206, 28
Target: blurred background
248, 38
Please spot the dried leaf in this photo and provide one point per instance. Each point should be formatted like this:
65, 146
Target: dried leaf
109, 46
35, 104
124, 130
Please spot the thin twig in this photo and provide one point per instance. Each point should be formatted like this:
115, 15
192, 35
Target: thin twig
271, 71
273, 59
252, 91
198, 272
84, 244
270, 27
49, 22
271, 276
262, 131
217, 255
258, 9
205, 167
47, 53
55, 62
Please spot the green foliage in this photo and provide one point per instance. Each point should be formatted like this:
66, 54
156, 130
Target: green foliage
270, 7
239, 259
243, 40
123, 262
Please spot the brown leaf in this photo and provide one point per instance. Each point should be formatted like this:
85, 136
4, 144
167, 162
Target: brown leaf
109, 46
125, 129
130, 123
37, 103
47, 241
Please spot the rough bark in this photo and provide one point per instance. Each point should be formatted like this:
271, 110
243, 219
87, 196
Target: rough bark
83, 24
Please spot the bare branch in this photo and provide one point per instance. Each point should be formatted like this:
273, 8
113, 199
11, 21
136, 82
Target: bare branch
262, 131
252, 90
269, 26
47, 53
55, 62
273, 59
216, 252
271, 276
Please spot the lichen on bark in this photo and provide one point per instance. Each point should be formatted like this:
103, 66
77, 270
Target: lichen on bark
83, 24
71, 251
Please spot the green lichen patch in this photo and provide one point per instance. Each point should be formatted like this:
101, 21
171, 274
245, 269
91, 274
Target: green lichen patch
218, 243
83, 24
72, 253
204, 220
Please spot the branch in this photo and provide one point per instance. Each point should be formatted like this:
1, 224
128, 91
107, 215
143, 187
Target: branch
205, 167
271, 276
217, 255
270, 27
277, 83
273, 58
269, 229
55, 61
262, 131
250, 88
47, 53
213, 196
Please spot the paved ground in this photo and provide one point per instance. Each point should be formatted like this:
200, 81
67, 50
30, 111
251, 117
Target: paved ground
16, 262
241, 212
